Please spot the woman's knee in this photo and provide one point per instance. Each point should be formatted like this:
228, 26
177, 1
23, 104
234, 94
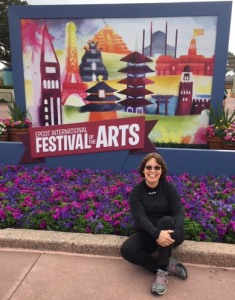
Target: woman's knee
181, 238
166, 223
125, 251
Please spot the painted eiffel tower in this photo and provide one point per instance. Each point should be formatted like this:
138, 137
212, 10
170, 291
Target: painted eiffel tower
73, 82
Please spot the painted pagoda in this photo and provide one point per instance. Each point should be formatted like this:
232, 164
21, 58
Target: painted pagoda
92, 66
50, 112
135, 81
101, 102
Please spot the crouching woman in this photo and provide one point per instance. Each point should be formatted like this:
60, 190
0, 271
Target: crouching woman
158, 224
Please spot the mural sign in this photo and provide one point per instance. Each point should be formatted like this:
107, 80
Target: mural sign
94, 70
90, 137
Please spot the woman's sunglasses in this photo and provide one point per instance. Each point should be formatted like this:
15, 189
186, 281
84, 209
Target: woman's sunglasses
156, 168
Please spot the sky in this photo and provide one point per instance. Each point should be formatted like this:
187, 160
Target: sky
231, 46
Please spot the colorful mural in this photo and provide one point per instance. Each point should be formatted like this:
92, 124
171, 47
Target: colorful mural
84, 70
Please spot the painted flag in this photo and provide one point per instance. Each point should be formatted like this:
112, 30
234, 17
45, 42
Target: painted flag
198, 32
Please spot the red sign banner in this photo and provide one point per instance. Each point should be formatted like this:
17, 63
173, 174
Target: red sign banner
89, 137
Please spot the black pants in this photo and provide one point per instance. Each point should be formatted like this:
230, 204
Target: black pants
138, 248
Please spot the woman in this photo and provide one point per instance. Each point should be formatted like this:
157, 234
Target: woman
158, 223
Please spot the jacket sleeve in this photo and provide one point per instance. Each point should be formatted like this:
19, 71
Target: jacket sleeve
140, 216
176, 209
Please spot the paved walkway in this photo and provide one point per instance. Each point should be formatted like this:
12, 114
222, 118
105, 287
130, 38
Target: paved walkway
34, 275
69, 266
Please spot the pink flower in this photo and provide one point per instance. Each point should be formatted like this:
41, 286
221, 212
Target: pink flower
2, 215
107, 218
168, 178
125, 203
75, 204
88, 230
16, 215
118, 215
43, 225
57, 214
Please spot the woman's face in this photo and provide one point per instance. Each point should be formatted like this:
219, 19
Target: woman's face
152, 172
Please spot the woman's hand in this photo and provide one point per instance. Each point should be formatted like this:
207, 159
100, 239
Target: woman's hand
164, 238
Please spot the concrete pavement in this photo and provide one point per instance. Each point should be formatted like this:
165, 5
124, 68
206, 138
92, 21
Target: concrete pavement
36, 275
47, 265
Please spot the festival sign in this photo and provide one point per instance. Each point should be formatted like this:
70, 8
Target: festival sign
89, 137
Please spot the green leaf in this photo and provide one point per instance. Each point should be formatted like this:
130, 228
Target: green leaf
16, 112
220, 117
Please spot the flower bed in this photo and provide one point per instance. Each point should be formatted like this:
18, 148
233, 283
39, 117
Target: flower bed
94, 201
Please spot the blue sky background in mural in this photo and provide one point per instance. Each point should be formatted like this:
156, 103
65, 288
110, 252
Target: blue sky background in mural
87, 28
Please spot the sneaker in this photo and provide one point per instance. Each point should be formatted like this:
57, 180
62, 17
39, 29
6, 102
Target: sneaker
177, 269
159, 285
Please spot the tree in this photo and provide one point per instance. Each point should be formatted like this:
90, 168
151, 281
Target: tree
5, 51
230, 53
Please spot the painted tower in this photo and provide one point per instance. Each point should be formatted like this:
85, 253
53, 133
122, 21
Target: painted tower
92, 66
73, 83
50, 107
193, 47
185, 93
136, 81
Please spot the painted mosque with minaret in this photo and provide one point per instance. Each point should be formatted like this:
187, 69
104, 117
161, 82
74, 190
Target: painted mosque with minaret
55, 93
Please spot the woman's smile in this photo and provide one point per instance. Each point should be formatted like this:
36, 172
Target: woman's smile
152, 172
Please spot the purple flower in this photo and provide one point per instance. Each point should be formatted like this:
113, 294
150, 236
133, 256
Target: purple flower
202, 236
